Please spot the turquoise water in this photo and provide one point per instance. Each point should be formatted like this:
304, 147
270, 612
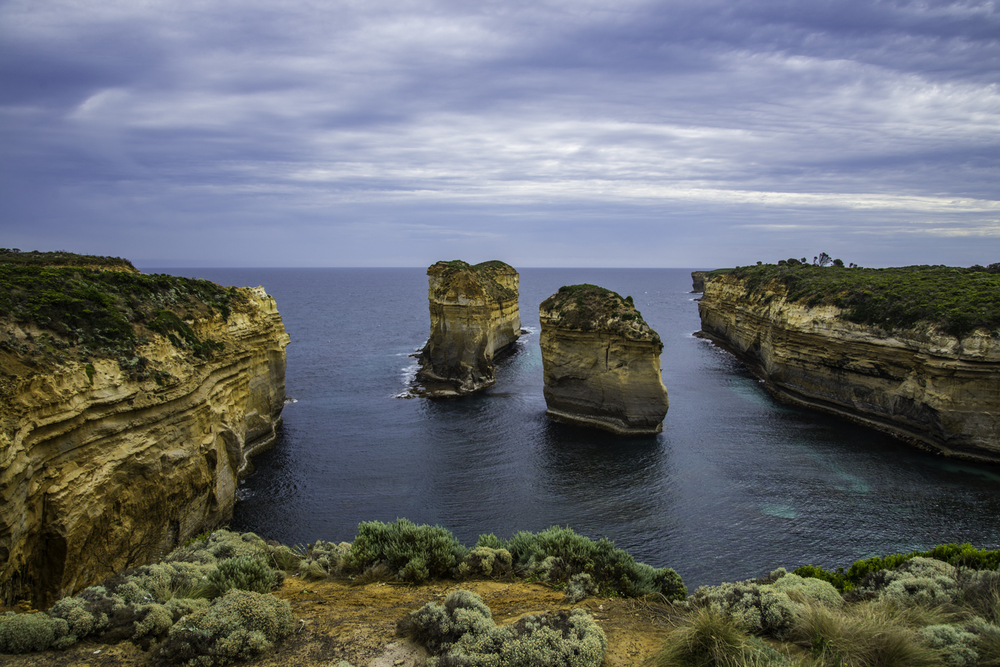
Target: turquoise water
735, 486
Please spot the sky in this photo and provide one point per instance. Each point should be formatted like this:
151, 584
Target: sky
582, 133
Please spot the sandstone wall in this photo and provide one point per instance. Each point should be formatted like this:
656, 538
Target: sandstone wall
602, 371
99, 471
474, 317
925, 387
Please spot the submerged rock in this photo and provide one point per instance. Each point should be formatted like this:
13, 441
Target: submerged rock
601, 362
474, 318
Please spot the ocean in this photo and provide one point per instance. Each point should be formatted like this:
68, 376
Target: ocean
735, 486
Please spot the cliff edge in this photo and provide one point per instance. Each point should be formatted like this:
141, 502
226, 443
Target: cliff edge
130, 406
474, 318
601, 362
912, 351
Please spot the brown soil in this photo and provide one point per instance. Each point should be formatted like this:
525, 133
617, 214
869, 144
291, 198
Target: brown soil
336, 621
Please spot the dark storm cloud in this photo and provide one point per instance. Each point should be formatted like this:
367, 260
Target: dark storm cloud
635, 133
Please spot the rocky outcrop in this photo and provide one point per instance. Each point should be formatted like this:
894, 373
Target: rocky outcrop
919, 384
108, 463
474, 319
698, 281
601, 362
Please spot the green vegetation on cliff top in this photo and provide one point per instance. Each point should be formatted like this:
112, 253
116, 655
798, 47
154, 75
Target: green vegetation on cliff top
589, 307
485, 273
15, 257
102, 313
956, 300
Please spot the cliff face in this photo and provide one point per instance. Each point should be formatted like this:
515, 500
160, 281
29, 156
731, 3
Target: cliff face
601, 362
105, 465
474, 317
698, 281
919, 384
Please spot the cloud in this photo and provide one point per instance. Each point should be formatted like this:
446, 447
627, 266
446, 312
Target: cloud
385, 129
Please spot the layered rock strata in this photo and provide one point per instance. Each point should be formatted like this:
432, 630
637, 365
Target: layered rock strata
474, 319
925, 387
601, 362
113, 462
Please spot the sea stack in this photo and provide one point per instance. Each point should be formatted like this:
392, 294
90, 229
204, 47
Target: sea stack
474, 318
601, 362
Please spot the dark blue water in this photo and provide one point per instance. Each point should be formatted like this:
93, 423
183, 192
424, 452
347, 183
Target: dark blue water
736, 485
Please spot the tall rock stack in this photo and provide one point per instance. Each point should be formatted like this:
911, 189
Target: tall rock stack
474, 318
601, 362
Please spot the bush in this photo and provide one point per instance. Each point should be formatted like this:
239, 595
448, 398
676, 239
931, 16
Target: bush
556, 554
246, 573
710, 638
415, 553
437, 626
238, 626
917, 581
23, 633
562, 639
756, 608
809, 590
959, 555
956, 646
461, 633
488, 562
579, 587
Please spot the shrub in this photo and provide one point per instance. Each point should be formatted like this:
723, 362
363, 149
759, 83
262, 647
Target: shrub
74, 612
246, 573
461, 632
579, 587
708, 638
810, 590
987, 641
23, 633
959, 555
556, 554
488, 562
956, 646
561, 639
437, 626
238, 626
414, 552
756, 608
917, 581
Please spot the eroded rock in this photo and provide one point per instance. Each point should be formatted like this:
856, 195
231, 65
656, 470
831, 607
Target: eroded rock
474, 318
601, 362
919, 384
105, 464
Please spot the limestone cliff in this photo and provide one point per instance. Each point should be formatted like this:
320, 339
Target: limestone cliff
698, 281
121, 442
929, 388
474, 318
601, 362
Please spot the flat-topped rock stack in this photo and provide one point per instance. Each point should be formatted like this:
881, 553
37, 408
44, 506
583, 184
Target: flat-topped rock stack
601, 362
474, 318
